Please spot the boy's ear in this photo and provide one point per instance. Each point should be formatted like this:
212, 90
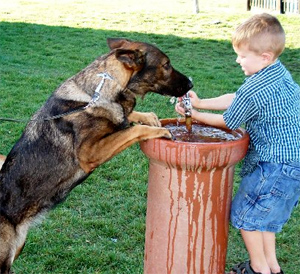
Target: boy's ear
268, 56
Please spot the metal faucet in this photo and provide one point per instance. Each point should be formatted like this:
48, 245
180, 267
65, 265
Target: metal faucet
186, 100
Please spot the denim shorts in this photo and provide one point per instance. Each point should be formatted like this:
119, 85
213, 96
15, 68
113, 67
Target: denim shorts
266, 197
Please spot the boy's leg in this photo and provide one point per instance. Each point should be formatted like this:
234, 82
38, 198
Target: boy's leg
270, 251
264, 202
254, 242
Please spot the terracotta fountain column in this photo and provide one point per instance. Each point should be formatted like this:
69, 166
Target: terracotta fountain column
189, 198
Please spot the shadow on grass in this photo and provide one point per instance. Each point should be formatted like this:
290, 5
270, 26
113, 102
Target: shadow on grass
100, 228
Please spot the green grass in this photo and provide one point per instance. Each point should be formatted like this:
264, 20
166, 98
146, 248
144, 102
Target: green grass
101, 226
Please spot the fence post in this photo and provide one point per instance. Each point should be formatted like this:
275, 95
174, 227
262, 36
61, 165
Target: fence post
279, 6
196, 6
248, 5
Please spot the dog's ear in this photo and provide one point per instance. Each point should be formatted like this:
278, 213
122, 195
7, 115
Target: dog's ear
115, 43
133, 59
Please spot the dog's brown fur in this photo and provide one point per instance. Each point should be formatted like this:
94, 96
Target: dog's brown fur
53, 156
2, 159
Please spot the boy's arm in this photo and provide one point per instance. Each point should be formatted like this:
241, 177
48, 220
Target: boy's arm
212, 119
218, 103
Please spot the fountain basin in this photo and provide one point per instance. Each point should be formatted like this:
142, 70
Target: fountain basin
188, 205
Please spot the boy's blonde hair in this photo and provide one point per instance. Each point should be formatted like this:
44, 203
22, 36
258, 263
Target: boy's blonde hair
261, 33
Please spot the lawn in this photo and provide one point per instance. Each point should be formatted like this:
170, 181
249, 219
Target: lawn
101, 226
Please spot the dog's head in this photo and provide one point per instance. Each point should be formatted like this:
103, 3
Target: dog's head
153, 71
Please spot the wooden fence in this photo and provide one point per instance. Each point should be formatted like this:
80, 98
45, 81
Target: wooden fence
281, 6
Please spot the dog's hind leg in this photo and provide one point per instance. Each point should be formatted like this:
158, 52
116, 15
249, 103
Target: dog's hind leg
12, 241
21, 231
7, 246
91, 155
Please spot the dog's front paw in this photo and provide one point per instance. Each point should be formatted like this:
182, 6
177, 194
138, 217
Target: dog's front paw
151, 119
168, 135
144, 118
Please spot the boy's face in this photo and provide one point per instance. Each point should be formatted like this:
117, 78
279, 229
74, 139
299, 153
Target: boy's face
250, 61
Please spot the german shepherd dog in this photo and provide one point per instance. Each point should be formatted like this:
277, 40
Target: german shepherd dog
84, 123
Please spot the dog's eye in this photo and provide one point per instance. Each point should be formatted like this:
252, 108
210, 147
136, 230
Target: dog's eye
167, 66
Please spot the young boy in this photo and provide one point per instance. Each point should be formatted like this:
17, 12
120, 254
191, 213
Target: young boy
268, 104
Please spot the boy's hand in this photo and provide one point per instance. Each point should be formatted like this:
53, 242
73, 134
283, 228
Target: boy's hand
193, 97
179, 108
194, 102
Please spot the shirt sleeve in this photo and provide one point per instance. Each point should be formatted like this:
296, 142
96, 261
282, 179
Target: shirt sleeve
241, 110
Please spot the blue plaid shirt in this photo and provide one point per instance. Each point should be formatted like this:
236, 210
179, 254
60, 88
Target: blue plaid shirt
268, 103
